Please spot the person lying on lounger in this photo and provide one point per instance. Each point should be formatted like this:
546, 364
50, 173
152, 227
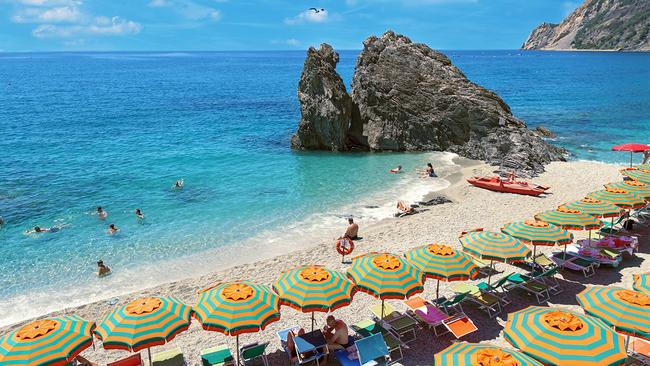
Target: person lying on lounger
404, 208
336, 334
291, 345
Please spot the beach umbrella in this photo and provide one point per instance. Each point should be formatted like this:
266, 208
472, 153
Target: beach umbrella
636, 187
596, 208
385, 276
314, 288
642, 283
556, 336
619, 197
235, 308
443, 263
536, 233
494, 247
641, 175
473, 354
52, 342
632, 148
144, 323
626, 310
569, 219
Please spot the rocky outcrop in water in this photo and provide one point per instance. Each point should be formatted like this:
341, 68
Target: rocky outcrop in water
597, 25
408, 97
324, 103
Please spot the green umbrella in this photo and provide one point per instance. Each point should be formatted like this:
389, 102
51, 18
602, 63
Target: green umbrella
619, 197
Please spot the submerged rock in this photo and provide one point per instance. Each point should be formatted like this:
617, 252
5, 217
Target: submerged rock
324, 103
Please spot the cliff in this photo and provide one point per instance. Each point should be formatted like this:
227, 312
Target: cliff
408, 97
622, 25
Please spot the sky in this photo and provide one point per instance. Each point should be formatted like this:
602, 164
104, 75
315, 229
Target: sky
213, 25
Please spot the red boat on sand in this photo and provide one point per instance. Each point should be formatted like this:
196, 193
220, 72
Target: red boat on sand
508, 185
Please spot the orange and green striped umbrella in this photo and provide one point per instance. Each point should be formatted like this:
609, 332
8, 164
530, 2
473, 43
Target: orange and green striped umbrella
472, 354
641, 175
636, 187
538, 233
569, 219
48, 342
442, 263
619, 197
314, 288
594, 207
642, 283
494, 246
235, 308
143, 323
626, 310
386, 276
561, 337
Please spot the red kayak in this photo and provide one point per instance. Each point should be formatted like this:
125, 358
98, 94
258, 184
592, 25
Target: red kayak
508, 186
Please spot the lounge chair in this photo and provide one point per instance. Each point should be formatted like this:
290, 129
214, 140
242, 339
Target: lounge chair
530, 285
485, 300
541, 262
574, 263
172, 357
617, 227
253, 351
484, 268
593, 255
217, 356
133, 360
548, 277
497, 289
371, 350
367, 327
283, 336
639, 351
452, 305
401, 324
428, 315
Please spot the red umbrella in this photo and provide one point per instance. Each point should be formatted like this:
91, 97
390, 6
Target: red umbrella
632, 148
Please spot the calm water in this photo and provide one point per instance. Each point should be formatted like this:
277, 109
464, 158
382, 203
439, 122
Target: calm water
117, 129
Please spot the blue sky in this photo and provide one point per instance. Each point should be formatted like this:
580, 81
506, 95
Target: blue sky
178, 25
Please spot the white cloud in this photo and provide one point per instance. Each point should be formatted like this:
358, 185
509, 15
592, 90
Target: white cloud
49, 2
287, 42
309, 16
114, 26
159, 3
64, 14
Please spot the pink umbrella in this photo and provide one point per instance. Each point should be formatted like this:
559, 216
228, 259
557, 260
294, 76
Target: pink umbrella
632, 148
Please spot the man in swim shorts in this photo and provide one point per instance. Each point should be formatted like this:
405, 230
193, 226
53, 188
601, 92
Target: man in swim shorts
352, 231
336, 333
102, 269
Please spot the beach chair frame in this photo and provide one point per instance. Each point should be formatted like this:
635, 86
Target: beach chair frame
529, 285
253, 351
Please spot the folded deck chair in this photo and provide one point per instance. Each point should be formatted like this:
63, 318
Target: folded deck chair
133, 360
497, 289
485, 300
570, 261
401, 324
367, 327
530, 285
254, 351
172, 357
217, 356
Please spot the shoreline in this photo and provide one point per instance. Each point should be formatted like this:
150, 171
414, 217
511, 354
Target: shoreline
470, 208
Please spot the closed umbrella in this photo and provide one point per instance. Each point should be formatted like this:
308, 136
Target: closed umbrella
235, 308
386, 276
144, 323
314, 288
52, 342
560, 337
442, 263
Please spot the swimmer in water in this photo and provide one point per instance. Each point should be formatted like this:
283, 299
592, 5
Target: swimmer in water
112, 229
179, 184
38, 229
139, 214
428, 172
101, 214
396, 170
102, 269
2, 222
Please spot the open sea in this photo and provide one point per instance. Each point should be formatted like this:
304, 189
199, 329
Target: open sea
80, 130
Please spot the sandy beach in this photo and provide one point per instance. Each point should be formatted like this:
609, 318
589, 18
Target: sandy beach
471, 208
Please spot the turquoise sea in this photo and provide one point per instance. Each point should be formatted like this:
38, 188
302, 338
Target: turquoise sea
78, 130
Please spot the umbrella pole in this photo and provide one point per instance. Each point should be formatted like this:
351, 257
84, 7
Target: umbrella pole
382, 309
534, 255
237, 345
312, 321
437, 289
149, 352
490, 275
630, 159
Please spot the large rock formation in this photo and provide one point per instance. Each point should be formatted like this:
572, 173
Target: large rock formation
408, 97
599, 25
324, 103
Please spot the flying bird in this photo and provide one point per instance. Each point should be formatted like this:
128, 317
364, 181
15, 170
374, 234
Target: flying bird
316, 10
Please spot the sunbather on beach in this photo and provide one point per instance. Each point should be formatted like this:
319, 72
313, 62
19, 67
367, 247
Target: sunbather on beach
396, 170
139, 214
291, 345
352, 231
112, 229
404, 208
336, 333
101, 214
102, 269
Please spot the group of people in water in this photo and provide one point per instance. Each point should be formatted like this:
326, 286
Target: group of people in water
428, 172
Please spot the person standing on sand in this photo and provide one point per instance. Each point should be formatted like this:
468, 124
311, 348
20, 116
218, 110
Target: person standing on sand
352, 231
646, 157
